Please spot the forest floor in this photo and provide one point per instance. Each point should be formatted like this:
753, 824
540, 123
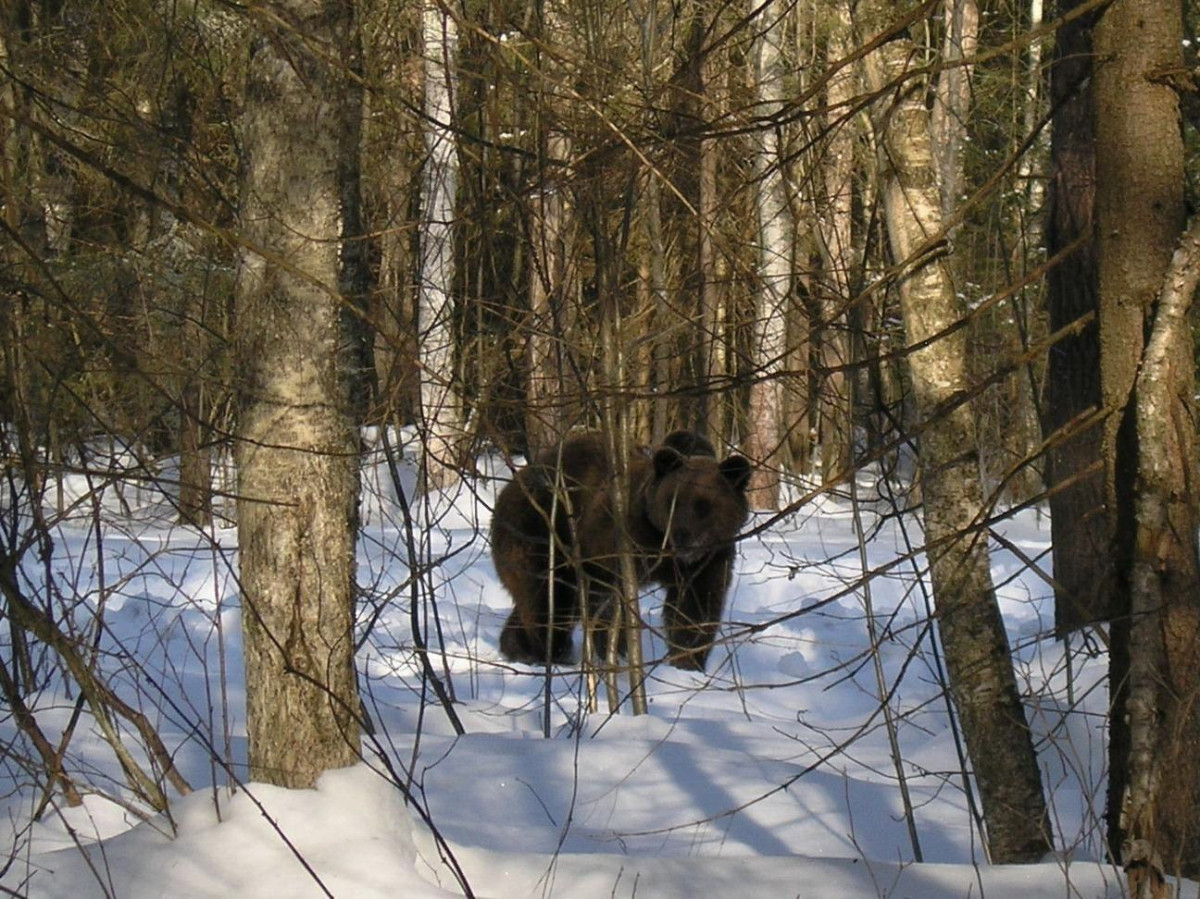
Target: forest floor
772, 774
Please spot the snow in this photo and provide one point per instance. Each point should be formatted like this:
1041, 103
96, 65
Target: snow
769, 775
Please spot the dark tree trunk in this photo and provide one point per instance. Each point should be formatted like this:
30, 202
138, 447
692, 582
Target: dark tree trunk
195, 460
1081, 526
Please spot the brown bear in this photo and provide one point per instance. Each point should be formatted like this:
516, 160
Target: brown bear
684, 512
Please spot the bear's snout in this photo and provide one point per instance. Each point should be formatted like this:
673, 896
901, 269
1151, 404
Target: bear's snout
687, 547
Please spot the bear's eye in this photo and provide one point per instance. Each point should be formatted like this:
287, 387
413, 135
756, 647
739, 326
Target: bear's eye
701, 508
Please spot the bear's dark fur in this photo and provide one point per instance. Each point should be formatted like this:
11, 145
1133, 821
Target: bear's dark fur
684, 512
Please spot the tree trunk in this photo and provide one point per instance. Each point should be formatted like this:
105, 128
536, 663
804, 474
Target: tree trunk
545, 417
656, 252
978, 661
686, 218
835, 431
711, 317
296, 443
1160, 818
441, 406
1139, 216
195, 459
660, 353
765, 427
952, 99
1081, 526
355, 277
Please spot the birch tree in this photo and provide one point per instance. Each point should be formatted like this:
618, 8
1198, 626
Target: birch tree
838, 174
952, 99
765, 422
441, 405
1158, 816
545, 416
978, 660
297, 445
551, 246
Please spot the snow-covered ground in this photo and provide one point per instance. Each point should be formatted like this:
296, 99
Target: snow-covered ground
769, 775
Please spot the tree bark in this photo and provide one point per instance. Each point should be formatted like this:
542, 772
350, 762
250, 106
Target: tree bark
195, 458
952, 99
978, 661
545, 417
441, 405
296, 443
1160, 817
1139, 216
1081, 525
834, 428
765, 427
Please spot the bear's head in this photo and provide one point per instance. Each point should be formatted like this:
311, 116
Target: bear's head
698, 503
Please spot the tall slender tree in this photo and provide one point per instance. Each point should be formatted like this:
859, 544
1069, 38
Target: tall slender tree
837, 236
978, 659
1159, 818
765, 427
1081, 522
441, 405
297, 446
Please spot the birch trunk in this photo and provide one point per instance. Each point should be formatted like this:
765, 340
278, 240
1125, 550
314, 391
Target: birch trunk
296, 444
441, 406
656, 264
838, 172
660, 414
545, 419
764, 430
952, 99
1160, 818
712, 314
978, 660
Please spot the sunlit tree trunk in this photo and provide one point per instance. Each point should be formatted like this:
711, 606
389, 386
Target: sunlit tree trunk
1149, 438
656, 253
545, 419
441, 406
765, 427
838, 174
1033, 188
687, 221
656, 271
296, 443
978, 660
712, 350
952, 99
1160, 807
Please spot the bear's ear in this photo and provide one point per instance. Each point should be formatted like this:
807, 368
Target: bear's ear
666, 460
736, 470
689, 443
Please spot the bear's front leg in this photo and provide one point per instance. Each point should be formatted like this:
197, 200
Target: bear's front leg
599, 604
539, 627
694, 606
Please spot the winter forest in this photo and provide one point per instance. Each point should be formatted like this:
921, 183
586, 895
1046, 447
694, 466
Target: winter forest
302, 298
